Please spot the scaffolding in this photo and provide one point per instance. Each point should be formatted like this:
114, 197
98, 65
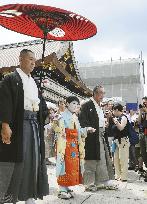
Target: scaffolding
120, 78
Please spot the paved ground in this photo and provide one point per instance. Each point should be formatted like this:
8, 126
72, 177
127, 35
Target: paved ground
133, 192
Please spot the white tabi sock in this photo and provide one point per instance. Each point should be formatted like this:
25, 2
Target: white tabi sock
30, 201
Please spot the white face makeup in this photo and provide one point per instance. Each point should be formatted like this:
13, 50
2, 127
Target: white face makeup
72, 107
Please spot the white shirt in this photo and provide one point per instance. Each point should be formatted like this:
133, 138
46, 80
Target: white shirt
31, 100
100, 113
132, 118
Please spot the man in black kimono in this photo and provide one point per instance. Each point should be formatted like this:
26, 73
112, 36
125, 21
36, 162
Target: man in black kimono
98, 166
23, 175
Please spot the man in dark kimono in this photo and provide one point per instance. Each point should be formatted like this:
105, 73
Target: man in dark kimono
23, 175
98, 166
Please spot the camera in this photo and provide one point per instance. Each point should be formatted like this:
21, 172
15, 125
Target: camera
142, 105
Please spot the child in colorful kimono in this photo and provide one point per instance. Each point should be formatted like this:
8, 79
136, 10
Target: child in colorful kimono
70, 149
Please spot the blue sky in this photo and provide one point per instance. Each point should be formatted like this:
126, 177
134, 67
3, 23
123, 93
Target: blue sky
121, 24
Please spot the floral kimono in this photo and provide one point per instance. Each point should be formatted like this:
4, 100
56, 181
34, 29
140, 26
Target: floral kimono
70, 150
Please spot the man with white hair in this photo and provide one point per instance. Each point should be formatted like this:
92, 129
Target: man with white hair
98, 166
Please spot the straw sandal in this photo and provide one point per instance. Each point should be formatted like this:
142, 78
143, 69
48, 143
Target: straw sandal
65, 195
111, 187
92, 188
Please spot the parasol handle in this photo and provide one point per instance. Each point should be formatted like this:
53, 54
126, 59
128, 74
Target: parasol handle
44, 41
43, 53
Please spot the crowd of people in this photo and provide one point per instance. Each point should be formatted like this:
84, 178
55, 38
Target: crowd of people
90, 140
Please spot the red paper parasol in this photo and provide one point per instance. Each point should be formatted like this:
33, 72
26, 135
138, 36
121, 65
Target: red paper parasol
46, 22
37, 20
